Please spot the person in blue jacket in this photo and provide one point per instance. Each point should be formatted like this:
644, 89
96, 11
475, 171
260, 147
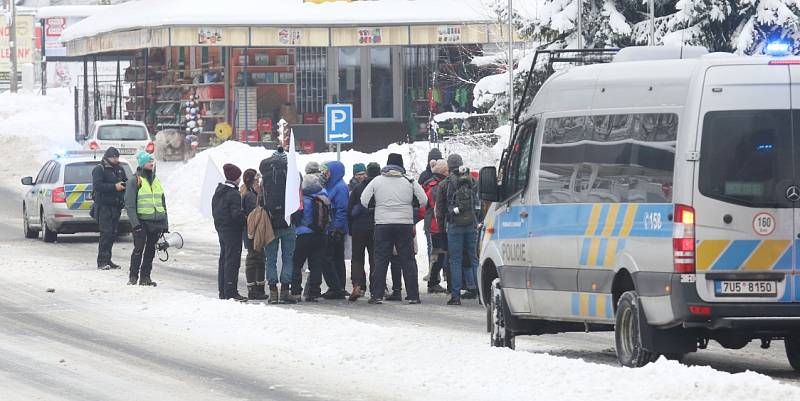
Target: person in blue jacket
339, 195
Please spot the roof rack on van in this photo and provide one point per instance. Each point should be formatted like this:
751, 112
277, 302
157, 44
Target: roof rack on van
546, 62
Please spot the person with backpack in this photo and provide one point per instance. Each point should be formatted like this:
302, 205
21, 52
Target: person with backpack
311, 232
362, 230
108, 187
254, 262
436, 232
147, 211
333, 173
273, 177
396, 196
230, 222
457, 205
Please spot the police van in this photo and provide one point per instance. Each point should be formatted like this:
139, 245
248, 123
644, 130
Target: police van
657, 196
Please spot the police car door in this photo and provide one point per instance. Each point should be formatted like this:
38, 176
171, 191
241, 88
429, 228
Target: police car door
513, 219
746, 183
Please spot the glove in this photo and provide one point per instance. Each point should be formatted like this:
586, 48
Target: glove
456, 211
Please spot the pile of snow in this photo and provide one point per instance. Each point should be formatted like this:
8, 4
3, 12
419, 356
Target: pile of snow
450, 115
33, 129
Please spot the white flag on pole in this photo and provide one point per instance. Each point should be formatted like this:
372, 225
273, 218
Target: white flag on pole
292, 197
212, 178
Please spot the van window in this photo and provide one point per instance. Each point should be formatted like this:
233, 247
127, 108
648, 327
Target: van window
747, 157
619, 158
122, 133
81, 173
519, 160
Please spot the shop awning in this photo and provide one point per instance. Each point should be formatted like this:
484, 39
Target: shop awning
290, 23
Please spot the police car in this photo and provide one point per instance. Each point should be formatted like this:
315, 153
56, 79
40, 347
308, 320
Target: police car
128, 136
60, 198
657, 196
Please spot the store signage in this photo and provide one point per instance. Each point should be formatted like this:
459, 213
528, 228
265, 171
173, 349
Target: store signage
449, 34
210, 36
338, 123
25, 37
289, 36
370, 36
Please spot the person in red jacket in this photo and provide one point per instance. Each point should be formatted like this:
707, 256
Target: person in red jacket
438, 255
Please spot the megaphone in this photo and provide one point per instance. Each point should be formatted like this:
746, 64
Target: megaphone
173, 240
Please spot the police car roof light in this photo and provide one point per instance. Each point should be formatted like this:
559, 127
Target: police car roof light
76, 153
778, 49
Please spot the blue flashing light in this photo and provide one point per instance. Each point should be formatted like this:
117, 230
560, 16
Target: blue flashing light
61, 153
778, 49
766, 146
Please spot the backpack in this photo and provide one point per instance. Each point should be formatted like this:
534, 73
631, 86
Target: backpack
320, 214
461, 195
432, 191
273, 182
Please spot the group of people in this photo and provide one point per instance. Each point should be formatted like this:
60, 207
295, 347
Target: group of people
379, 209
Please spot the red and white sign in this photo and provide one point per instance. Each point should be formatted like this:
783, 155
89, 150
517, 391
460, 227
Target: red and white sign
54, 27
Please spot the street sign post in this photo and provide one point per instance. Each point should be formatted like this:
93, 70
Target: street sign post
338, 125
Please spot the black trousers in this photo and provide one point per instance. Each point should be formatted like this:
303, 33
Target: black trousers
108, 222
363, 243
401, 237
144, 250
334, 255
230, 260
439, 244
255, 267
396, 269
311, 248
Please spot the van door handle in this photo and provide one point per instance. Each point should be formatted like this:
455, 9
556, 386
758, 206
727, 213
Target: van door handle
523, 214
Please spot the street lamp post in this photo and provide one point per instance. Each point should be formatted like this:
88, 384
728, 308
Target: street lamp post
511, 111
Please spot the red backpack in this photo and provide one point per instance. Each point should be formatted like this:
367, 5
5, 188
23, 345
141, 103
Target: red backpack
431, 189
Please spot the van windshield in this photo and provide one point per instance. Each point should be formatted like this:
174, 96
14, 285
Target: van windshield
122, 133
747, 157
81, 173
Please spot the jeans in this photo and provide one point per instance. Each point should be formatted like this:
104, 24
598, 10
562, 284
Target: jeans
287, 238
388, 237
462, 243
108, 222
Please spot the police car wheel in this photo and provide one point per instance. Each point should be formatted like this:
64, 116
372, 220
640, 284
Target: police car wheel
48, 235
626, 333
500, 335
26, 227
792, 342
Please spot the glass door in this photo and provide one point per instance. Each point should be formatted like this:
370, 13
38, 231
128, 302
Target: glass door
369, 79
349, 73
381, 83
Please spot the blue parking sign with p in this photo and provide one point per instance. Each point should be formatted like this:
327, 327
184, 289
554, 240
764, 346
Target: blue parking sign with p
338, 123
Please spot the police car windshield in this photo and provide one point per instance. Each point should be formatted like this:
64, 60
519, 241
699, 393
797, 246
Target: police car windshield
747, 157
122, 133
81, 173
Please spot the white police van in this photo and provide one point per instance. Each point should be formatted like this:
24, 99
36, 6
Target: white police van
657, 196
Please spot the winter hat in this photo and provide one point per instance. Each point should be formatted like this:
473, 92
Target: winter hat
249, 177
454, 161
395, 159
312, 168
142, 157
311, 184
435, 154
323, 168
232, 173
440, 167
373, 170
111, 152
359, 168
280, 153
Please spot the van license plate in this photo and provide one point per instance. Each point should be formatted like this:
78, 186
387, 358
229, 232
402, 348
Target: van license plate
747, 288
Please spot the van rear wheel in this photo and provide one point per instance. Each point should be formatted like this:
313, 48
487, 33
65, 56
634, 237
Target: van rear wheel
627, 335
500, 334
792, 342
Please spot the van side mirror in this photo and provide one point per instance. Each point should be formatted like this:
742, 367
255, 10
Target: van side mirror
489, 190
27, 181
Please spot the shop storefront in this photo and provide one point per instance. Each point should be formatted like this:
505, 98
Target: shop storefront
251, 76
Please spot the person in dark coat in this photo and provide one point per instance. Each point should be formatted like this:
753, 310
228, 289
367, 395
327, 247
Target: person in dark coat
362, 229
254, 262
359, 175
230, 221
147, 210
108, 184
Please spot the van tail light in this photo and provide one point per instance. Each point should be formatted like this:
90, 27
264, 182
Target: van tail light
699, 310
683, 241
58, 195
151, 147
93, 145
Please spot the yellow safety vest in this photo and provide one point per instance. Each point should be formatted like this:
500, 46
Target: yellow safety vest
150, 200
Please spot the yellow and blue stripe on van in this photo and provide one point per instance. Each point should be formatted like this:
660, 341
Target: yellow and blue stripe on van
585, 304
744, 255
77, 195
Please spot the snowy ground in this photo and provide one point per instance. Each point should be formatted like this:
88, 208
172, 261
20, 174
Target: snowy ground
96, 339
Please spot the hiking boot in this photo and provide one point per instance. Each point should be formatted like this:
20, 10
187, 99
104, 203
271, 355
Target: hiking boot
374, 301
414, 301
470, 294
256, 292
114, 265
357, 293
333, 295
436, 289
104, 267
454, 301
396, 296
238, 298
132, 280
273, 294
147, 282
286, 295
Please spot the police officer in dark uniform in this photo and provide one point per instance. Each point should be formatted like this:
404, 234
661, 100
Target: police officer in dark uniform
108, 185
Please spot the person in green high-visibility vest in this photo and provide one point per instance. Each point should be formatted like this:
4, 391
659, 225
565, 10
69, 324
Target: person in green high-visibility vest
147, 211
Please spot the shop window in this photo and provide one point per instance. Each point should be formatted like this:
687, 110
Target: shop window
312, 82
